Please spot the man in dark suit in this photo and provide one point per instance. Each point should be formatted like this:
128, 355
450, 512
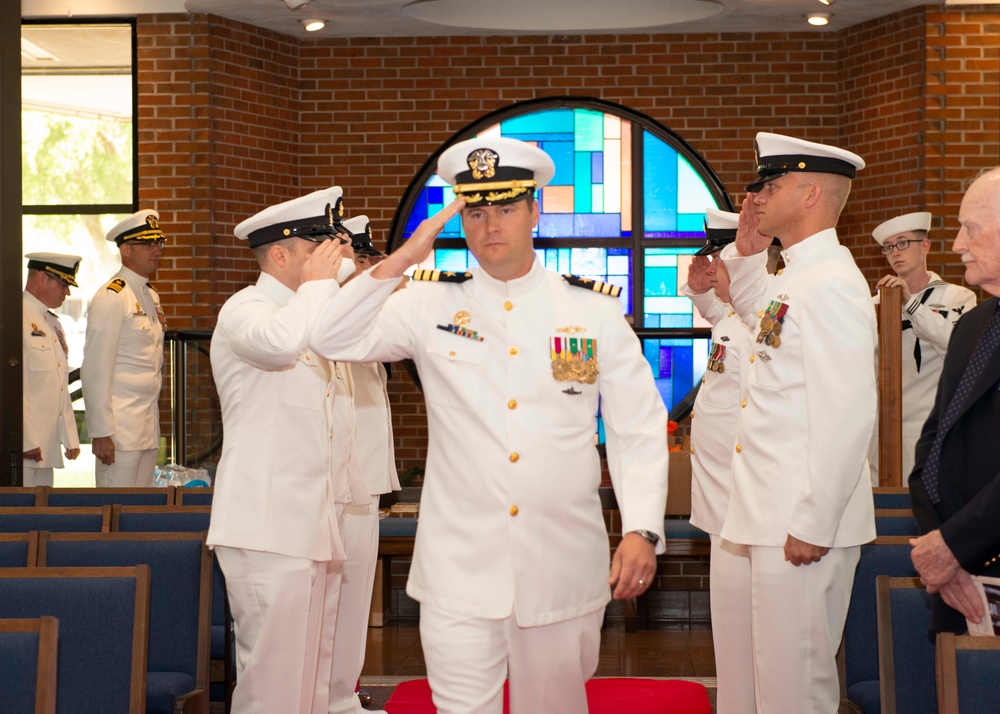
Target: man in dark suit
955, 484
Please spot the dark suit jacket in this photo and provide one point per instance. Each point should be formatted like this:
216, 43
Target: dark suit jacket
969, 478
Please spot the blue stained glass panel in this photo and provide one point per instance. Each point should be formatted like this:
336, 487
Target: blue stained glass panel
597, 166
564, 158
661, 282
446, 259
691, 223
677, 366
597, 225
659, 177
546, 121
581, 184
589, 130
555, 225
435, 194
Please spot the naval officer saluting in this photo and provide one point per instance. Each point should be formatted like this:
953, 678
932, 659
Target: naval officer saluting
511, 564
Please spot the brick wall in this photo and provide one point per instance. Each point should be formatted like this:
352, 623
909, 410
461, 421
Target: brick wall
233, 118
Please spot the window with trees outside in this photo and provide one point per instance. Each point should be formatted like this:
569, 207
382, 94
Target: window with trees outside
626, 206
78, 164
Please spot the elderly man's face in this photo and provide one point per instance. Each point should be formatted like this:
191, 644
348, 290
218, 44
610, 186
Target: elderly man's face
978, 239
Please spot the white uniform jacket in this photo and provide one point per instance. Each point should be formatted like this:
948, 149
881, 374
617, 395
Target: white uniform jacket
373, 428
800, 464
278, 481
122, 359
716, 411
510, 517
49, 422
928, 318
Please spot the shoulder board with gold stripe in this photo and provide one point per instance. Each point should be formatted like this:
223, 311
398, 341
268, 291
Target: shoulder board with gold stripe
116, 285
596, 285
441, 276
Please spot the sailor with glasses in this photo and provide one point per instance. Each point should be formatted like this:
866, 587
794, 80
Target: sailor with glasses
931, 307
123, 358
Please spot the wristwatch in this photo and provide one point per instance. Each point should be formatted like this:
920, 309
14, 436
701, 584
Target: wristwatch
648, 536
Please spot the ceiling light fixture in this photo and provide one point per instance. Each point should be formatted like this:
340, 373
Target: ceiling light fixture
296, 4
828, 2
313, 25
819, 19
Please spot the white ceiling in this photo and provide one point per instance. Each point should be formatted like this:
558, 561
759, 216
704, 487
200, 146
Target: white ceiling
386, 18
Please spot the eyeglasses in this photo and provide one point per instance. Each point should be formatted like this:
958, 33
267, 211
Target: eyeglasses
149, 244
898, 245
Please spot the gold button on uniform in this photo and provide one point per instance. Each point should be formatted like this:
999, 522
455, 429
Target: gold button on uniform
738, 448
692, 413
512, 352
451, 354
514, 457
513, 510
751, 359
744, 404
508, 306
512, 404
780, 271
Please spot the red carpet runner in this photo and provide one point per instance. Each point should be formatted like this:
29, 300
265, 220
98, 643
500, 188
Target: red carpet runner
605, 696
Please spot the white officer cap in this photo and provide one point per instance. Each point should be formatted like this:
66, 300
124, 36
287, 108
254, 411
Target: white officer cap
720, 230
920, 221
494, 169
360, 231
315, 217
778, 155
140, 226
61, 266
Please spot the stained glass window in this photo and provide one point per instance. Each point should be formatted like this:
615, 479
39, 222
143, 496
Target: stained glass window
626, 206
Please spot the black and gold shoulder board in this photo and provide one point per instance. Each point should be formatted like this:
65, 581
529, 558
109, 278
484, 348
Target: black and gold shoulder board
441, 276
596, 285
116, 285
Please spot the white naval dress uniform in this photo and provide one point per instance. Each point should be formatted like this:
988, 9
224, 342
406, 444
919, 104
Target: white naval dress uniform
928, 318
511, 529
372, 449
280, 490
49, 422
713, 435
121, 377
799, 465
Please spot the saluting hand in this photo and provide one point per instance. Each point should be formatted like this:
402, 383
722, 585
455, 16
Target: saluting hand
749, 239
324, 262
418, 246
701, 274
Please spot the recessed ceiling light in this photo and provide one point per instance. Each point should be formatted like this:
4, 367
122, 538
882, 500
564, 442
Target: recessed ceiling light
313, 25
819, 19
828, 2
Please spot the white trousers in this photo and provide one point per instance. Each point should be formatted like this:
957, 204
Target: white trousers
37, 477
130, 469
469, 658
281, 613
729, 576
360, 536
798, 622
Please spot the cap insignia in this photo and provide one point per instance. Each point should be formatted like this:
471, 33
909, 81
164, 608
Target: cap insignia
153, 222
483, 163
339, 208
802, 164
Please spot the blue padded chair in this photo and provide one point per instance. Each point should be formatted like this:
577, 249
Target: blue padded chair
891, 497
19, 496
57, 520
28, 650
194, 496
887, 555
18, 550
896, 522
102, 614
191, 519
109, 496
905, 651
968, 674
179, 604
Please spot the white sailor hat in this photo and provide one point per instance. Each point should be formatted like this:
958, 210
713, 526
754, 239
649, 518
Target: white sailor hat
778, 155
720, 230
140, 226
316, 217
58, 265
920, 221
360, 231
494, 169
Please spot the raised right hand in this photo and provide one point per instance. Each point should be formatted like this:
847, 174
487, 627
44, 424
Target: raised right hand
749, 239
418, 246
701, 274
324, 262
